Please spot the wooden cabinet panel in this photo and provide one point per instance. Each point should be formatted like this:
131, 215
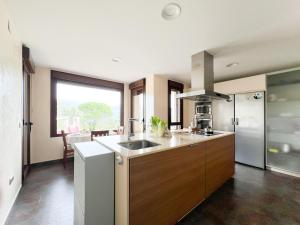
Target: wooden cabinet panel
219, 162
165, 186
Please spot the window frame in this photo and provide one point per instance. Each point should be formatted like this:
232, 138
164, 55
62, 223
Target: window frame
57, 76
173, 85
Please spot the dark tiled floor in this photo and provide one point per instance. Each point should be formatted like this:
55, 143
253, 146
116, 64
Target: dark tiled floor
46, 197
253, 197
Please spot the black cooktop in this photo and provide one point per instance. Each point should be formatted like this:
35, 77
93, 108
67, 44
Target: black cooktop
208, 133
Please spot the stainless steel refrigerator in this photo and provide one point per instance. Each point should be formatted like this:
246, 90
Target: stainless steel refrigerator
244, 114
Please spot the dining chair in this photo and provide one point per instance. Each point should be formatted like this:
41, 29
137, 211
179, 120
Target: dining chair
98, 133
68, 151
120, 130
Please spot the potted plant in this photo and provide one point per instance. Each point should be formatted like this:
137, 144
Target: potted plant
158, 126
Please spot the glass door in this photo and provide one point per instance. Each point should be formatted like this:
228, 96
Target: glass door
175, 106
283, 121
137, 109
138, 105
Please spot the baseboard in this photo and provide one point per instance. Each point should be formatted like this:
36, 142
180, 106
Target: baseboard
250, 165
11, 205
51, 162
278, 170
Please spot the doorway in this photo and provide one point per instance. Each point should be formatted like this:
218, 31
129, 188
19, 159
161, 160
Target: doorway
26, 124
175, 106
138, 105
28, 68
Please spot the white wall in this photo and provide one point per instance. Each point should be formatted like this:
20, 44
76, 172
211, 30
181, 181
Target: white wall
44, 148
242, 85
156, 95
149, 99
10, 114
161, 97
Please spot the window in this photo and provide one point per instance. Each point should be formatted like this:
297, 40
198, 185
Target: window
175, 106
80, 104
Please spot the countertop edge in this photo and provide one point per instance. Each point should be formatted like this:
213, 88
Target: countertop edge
88, 150
163, 148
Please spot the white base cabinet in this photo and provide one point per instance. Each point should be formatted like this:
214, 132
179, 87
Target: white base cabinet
93, 184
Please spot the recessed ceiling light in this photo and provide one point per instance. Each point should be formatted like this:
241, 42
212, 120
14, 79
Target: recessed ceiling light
116, 59
232, 64
171, 11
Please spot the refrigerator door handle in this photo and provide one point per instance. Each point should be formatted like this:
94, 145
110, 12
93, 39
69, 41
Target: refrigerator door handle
237, 121
232, 121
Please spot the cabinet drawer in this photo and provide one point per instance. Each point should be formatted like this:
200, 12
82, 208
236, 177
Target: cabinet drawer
79, 180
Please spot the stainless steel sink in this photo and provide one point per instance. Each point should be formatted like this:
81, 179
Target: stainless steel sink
138, 144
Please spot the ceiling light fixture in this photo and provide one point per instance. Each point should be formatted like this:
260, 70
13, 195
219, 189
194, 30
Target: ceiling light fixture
116, 59
171, 11
232, 64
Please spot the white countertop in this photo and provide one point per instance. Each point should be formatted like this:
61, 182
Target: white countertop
166, 143
90, 149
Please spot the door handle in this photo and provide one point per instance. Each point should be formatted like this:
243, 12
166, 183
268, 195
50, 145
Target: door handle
119, 159
237, 121
30, 125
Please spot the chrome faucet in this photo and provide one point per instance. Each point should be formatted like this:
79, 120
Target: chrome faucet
130, 122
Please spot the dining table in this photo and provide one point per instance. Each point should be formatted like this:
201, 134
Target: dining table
74, 138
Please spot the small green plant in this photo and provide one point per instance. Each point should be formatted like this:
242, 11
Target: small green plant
154, 121
158, 126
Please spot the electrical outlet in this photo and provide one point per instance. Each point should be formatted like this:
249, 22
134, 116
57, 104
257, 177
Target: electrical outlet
11, 180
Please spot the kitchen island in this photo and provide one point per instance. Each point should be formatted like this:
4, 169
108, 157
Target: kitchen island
161, 184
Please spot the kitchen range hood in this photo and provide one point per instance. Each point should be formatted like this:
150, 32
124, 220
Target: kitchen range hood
202, 80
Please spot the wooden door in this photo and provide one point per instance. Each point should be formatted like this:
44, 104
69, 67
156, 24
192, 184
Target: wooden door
165, 186
219, 163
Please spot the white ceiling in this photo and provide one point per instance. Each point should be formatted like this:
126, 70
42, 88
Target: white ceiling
83, 36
